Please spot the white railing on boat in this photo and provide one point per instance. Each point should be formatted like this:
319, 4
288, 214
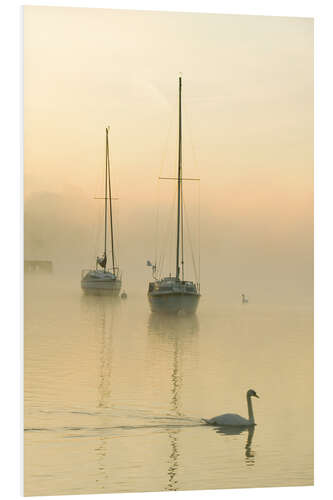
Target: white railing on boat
118, 275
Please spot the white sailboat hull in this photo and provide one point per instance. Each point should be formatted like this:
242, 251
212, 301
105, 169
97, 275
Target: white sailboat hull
173, 302
101, 288
98, 282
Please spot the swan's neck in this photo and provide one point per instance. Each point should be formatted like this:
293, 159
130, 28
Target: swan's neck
250, 409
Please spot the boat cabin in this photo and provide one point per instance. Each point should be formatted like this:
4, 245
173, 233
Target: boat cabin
171, 283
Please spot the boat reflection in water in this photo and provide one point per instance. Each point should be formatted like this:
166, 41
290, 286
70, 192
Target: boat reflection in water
234, 431
169, 338
102, 314
166, 327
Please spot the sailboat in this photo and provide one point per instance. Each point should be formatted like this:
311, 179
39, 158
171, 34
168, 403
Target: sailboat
103, 280
173, 294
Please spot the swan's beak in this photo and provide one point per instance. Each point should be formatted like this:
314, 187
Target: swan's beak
256, 395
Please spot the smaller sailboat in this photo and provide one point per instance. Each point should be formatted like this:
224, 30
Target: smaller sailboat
102, 280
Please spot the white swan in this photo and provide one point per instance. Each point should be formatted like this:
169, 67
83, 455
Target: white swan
232, 418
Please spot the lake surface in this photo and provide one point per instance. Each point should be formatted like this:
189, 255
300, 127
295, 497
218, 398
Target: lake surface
114, 395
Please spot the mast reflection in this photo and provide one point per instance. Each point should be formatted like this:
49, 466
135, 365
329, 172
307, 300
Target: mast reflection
177, 333
102, 314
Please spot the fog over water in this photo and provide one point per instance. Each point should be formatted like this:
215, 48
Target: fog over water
67, 228
113, 394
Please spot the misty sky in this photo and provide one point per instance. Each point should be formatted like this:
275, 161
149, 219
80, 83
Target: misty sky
248, 135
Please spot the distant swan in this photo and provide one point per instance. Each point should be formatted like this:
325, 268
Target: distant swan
233, 418
245, 300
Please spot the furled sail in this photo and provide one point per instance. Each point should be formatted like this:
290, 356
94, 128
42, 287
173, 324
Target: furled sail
101, 261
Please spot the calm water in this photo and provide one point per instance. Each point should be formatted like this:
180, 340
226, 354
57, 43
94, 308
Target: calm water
114, 395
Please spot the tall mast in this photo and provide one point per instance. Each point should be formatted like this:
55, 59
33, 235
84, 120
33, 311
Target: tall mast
182, 229
180, 201
110, 200
106, 196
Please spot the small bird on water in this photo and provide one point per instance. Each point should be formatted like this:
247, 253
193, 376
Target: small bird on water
245, 300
